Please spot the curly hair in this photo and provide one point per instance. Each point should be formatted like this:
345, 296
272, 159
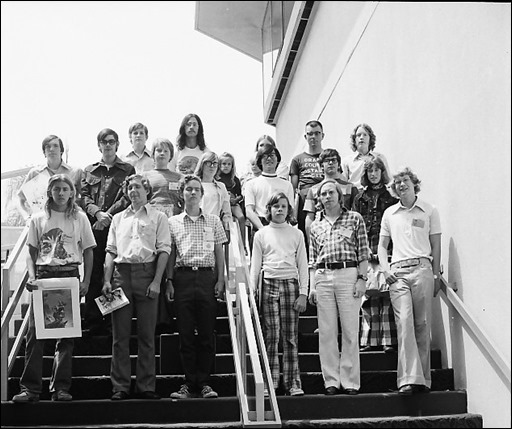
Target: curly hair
369, 130
188, 178
406, 171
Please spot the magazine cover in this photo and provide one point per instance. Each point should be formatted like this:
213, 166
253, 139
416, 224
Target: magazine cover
116, 300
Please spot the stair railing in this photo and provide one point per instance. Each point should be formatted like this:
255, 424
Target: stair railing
9, 305
249, 352
451, 299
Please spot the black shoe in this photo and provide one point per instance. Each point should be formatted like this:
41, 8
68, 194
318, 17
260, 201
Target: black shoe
389, 349
119, 396
331, 390
351, 391
369, 349
148, 395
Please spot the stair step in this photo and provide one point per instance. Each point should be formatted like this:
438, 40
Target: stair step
100, 386
376, 408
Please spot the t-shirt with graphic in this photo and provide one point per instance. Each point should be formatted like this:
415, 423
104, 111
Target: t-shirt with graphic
165, 186
60, 240
307, 168
185, 160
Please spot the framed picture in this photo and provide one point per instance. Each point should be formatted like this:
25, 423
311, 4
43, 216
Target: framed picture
56, 305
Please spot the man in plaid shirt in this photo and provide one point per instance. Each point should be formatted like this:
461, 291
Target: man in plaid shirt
195, 281
338, 261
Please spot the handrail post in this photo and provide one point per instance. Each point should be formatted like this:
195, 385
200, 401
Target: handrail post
4, 373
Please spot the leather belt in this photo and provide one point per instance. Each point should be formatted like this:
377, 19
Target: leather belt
194, 268
409, 262
57, 268
337, 265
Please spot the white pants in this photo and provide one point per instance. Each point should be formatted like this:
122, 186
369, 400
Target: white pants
335, 299
411, 297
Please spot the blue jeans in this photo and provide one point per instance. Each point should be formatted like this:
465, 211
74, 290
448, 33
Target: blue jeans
32, 377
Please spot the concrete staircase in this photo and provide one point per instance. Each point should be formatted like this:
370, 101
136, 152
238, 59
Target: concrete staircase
377, 405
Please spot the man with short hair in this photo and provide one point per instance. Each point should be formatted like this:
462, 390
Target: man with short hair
102, 198
138, 248
305, 170
195, 280
139, 156
413, 277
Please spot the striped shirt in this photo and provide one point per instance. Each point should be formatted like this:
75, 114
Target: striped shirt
195, 240
343, 240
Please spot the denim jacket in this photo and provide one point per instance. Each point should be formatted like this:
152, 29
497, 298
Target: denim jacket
102, 187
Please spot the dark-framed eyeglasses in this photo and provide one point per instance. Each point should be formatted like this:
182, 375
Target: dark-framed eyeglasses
211, 163
110, 142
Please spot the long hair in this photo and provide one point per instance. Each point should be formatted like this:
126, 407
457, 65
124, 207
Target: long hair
267, 149
274, 198
265, 138
375, 161
232, 173
206, 156
181, 140
71, 206
338, 189
370, 132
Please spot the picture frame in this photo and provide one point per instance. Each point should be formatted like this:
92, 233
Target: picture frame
56, 305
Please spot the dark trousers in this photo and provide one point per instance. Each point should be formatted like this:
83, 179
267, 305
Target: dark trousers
32, 377
93, 317
196, 308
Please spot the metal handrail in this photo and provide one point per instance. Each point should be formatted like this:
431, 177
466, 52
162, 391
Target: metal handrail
247, 341
451, 298
9, 305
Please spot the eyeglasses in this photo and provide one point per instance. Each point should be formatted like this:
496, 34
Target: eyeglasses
330, 160
314, 133
270, 155
211, 164
110, 142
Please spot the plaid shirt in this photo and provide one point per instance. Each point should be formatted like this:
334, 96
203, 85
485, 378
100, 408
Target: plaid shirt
189, 238
329, 242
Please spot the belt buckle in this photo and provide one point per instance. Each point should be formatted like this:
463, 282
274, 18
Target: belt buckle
195, 268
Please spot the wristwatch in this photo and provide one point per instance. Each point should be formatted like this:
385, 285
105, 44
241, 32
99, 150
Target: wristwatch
362, 277
436, 277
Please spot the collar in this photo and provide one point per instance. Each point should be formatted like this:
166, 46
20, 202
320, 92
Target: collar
146, 206
145, 152
117, 162
343, 210
41, 168
184, 214
268, 175
418, 203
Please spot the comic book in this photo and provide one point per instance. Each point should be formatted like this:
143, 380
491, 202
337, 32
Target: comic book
115, 301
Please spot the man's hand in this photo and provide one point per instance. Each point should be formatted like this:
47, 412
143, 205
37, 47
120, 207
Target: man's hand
312, 297
84, 288
169, 290
153, 290
300, 304
32, 285
219, 290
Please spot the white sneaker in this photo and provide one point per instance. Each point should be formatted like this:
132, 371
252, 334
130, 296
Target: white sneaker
296, 391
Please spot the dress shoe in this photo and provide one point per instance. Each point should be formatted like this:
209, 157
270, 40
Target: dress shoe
148, 395
331, 390
420, 388
408, 389
119, 396
389, 349
351, 391
369, 349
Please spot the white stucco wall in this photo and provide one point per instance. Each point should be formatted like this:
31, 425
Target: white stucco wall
433, 81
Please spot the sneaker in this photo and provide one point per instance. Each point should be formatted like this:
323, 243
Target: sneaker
25, 397
296, 391
265, 393
61, 395
208, 392
183, 393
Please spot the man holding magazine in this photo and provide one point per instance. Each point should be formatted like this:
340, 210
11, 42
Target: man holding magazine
138, 248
